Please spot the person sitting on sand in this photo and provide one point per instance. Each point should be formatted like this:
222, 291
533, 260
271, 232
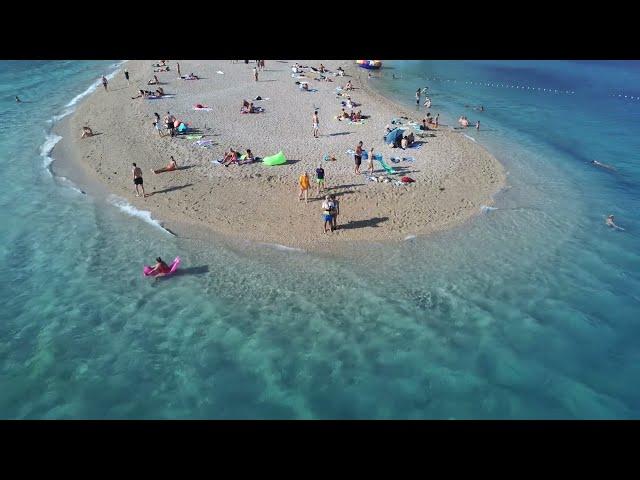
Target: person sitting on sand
160, 269
609, 221
140, 94
86, 132
343, 114
424, 125
348, 86
358, 115
404, 143
340, 72
304, 86
169, 168
160, 91
245, 107
230, 157
322, 69
304, 184
248, 158
153, 81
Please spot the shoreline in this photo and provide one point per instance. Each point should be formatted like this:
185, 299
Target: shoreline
454, 176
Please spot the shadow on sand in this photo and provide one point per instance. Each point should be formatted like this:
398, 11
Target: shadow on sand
372, 222
171, 189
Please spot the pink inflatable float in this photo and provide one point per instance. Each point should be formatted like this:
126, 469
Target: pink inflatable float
146, 270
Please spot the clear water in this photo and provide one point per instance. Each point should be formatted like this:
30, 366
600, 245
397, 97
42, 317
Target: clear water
528, 311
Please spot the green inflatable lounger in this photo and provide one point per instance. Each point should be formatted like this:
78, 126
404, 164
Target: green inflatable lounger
277, 159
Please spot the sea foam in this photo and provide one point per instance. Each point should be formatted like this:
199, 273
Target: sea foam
129, 209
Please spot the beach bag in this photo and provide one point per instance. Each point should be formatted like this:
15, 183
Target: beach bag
407, 180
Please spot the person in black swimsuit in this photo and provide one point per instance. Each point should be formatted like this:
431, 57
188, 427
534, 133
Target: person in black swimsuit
137, 180
358, 157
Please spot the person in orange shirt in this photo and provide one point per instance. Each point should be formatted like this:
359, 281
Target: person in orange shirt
304, 183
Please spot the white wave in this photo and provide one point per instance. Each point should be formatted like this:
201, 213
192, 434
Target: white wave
283, 248
93, 86
486, 209
470, 138
45, 149
409, 237
69, 184
129, 209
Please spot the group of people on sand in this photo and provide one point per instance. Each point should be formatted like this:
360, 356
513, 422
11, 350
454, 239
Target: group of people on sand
248, 107
233, 156
330, 205
159, 92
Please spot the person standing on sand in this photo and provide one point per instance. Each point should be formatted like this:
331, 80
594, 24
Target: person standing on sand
316, 124
304, 183
327, 207
370, 161
137, 180
179, 74
357, 157
255, 73
126, 75
169, 122
335, 212
104, 83
436, 120
320, 179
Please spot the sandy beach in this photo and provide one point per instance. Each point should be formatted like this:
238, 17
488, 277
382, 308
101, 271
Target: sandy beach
453, 175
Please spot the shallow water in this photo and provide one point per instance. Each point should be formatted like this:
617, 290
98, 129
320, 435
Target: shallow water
528, 311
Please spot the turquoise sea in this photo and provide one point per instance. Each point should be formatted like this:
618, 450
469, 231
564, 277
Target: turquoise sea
528, 311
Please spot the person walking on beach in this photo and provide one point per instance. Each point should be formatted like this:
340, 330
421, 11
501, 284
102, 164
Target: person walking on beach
327, 207
137, 180
418, 97
126, 75
357, 157
316, 124
104, 82
320, 179
335, 212
304, 183
255, 73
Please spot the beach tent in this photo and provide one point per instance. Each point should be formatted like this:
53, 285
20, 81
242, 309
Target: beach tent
277, 159
394, 136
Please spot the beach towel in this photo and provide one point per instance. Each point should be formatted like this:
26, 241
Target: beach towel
416, 146
194, 137
408, 159
361, 122
203, 142
205, 109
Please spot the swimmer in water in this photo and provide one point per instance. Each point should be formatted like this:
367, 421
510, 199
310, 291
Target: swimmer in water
18, 99
598, 164
610, 223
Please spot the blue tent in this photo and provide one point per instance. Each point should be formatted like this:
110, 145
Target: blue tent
394, 136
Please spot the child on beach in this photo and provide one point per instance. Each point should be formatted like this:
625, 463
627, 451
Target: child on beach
370, 161
303, 181
320, 179
137, 180
316, 124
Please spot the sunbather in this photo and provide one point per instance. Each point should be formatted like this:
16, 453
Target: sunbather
169, 168
230, 157
153, 81
86, 132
